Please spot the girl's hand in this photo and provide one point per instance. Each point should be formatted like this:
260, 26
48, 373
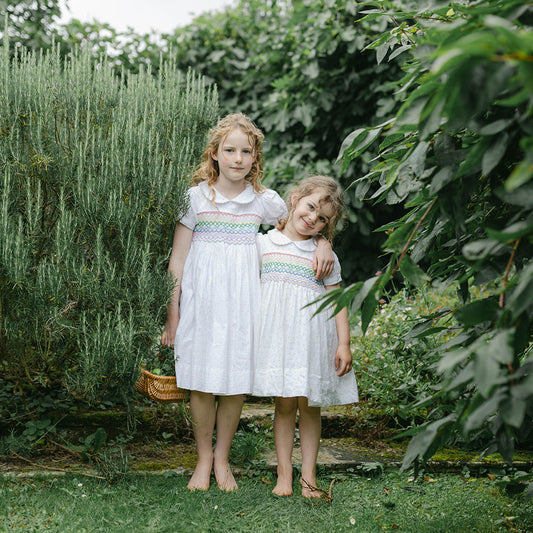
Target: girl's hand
324, 259
169, 333
343, 360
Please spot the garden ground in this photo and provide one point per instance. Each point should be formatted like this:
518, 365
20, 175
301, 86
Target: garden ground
352, 439
74, 488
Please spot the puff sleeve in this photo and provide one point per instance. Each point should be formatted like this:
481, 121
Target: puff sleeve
190, 218
273, 207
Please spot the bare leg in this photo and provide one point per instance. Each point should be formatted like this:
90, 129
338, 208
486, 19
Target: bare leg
203, 417
228, 415
284, 425
310, 426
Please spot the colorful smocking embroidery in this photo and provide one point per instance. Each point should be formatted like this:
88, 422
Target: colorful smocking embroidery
290, 268
217, 226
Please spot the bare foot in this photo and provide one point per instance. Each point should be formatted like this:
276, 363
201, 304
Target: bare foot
283, 487
224, 476
201, 476
310, 489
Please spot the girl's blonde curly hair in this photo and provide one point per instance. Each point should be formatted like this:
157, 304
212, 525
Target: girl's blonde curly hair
331, 193
208, 169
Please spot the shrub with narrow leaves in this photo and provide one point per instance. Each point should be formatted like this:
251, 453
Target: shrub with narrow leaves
93, 174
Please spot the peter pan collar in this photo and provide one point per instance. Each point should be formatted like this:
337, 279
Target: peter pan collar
245, 197
278, 238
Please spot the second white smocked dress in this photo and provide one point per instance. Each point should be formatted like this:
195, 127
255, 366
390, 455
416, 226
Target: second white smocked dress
296, 355
220, 295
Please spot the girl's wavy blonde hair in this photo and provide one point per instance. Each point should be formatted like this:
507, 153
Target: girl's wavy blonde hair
331, 193
208, 169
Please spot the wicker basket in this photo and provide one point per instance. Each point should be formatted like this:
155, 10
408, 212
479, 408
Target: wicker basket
159, 388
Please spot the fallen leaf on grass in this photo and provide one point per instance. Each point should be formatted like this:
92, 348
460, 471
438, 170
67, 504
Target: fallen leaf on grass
266, 481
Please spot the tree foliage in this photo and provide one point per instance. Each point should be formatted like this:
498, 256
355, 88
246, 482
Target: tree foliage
458, 155
295, 67
93, 172
30, 22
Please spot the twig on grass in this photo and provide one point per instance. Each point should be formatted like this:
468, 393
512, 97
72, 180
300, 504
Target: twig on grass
325, 496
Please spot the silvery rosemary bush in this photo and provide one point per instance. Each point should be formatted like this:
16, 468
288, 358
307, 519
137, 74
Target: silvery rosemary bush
93, 171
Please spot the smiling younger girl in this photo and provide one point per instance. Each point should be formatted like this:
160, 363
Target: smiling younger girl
304, 357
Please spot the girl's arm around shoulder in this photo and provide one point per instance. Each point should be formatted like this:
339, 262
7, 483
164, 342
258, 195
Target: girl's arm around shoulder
343, 356
180, 250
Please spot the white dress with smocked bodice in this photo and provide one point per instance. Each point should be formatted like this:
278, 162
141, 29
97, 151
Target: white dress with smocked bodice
296, 355
220, 296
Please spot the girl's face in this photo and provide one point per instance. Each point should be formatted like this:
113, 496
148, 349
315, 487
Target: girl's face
234, 156
309, 216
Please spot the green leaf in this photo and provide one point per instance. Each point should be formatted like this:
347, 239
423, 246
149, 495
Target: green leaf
431, 117
445, 58
465, 375
524, 388
521, 297
513, 411
423, 445
381, 51
369, 307
496, 127
417, 159
410, 112
484, 310
516, 99
487, 374
494, 154
452, 358
311, 70
512, 232
521, 174
522, 196
354, 136
362, 293
412, 272
505, 444
490, 356
396, 239
364, 141
474, 156
482, 413
481, 249
430, 332
501, 347
399, 51
100, 437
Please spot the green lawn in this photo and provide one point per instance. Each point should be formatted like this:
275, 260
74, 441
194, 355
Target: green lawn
446, 503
